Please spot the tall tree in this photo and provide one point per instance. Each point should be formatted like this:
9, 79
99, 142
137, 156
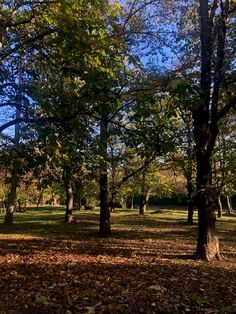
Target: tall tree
214, 26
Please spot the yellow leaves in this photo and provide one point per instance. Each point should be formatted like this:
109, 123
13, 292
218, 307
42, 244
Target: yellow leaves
118, 5
58, 144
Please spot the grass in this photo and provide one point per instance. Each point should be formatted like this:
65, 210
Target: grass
146, 266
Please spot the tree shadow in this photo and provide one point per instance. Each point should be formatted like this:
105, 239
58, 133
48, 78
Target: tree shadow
107, 286
179, 256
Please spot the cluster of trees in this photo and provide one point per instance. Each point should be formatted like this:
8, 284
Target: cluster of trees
108, 98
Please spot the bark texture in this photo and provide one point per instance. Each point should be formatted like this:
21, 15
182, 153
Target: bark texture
190, 188
144, 197
219, 206
105, 224
229, 204
206, 116
69, 195
11, 200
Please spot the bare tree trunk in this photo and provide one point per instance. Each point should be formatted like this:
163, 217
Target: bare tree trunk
15, 177
207, 243
132, 201
11, 200
229, 204
40, 199
69, 195
143, 202
105, 224
206, 118
190, 166
112, 203
129, 203
144, 193
219, 206
77, 193
190, 188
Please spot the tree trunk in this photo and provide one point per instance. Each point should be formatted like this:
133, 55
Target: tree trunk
41, 200
15, 177
190, 165
190, 188
130, 202
54, 199
69, 202
207, 243
112, 203
105, 228
105, 225
219, 206
190, 212
11, 200
206, 117
69, 195
143, 202
229, 204
77, 194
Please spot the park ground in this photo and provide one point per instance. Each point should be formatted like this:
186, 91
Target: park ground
146, 266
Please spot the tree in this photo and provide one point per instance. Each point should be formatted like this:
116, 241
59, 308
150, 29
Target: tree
214, 30
183, 156
224, 163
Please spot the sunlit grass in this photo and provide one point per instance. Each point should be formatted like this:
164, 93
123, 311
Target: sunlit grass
42, 258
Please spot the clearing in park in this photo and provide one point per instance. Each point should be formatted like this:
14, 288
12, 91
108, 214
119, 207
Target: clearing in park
146, 266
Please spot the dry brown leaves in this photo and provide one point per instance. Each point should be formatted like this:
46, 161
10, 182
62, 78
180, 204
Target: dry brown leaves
146, 266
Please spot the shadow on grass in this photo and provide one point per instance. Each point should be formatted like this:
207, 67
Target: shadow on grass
179, 256
77, 287
125, 228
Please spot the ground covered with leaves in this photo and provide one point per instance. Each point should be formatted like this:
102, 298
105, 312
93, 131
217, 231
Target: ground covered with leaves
146, 266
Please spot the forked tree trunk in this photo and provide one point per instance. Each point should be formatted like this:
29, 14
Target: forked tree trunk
206, 117
105, 224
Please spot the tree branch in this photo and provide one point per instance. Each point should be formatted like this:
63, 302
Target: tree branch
137, 171
11, 24
29, 120
4, 55
131, 14
231, 104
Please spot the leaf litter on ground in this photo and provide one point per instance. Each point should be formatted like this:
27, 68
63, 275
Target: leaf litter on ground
146, 266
